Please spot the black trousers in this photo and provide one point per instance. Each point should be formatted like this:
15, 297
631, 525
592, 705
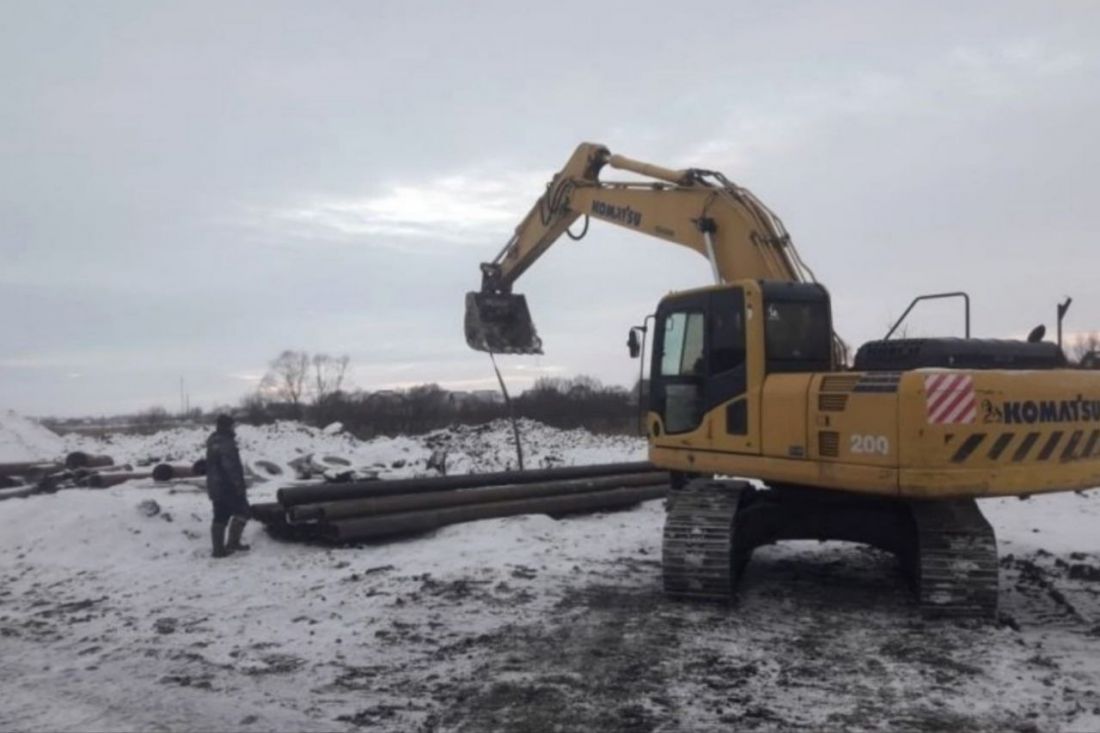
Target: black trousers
229, 506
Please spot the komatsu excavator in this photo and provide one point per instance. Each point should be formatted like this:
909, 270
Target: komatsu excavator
747, 380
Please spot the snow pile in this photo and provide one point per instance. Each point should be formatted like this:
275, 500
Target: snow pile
23, 440
469, 449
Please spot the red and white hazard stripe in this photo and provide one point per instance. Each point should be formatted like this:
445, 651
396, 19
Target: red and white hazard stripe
949, 398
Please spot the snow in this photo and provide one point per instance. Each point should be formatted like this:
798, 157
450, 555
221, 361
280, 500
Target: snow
23, 440
476, 449
114, 617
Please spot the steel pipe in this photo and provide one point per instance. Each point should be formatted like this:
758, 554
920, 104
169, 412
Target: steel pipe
18, 493
105, 480
397, 503
315, 494
28, 468
79, 459
167, 471
388, 525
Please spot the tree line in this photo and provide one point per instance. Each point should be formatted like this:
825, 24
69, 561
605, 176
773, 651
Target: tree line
313, 388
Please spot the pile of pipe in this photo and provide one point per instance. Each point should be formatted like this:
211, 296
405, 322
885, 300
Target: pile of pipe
82, 470
373, 510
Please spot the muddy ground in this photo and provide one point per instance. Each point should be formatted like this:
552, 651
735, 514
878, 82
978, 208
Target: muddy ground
517, 625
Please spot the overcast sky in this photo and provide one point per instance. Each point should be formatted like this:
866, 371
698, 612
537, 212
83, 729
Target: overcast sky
188, 188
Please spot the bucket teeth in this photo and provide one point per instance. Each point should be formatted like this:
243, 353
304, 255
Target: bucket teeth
500, 323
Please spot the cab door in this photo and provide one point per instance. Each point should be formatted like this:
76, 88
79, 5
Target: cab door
700, 375
678, 373
727, 386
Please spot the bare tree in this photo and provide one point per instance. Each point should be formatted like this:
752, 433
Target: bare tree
328, 375
286, 377
154, 416
1084, 344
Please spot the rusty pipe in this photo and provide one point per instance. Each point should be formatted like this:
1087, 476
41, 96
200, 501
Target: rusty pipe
387, 525
79, 459
333, 510
314, 494
28, 468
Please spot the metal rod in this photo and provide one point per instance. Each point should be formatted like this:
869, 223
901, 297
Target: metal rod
313, 494
333, 510
641, 373
709, 239
935, 296
511, 411
1062, 308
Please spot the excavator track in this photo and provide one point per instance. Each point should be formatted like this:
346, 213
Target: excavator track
947, 547
697, 555
954, 560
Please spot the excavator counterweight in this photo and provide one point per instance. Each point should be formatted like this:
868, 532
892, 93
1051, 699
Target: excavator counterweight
500, 323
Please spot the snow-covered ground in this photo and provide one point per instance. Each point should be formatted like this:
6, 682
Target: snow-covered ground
114, 617
23, 440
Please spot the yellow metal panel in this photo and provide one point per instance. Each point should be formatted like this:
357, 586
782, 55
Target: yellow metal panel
1001, 481
783, 415
858, 414
999, 433
1028, 432
843, 476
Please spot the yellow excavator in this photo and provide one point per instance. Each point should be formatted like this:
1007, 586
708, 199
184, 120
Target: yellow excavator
747, 379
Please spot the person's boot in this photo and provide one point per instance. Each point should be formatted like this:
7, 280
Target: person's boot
236, 527
217, 537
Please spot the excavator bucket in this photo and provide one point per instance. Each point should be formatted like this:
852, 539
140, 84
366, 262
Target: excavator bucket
500, 323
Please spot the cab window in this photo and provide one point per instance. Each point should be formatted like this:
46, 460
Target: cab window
797, 336
682, 353
727, 331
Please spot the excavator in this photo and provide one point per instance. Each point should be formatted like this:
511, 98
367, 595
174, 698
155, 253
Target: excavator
748, 380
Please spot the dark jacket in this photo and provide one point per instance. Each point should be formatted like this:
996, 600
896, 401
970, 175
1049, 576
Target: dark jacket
224, 473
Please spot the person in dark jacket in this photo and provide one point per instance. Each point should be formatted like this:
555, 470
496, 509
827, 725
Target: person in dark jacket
226, 489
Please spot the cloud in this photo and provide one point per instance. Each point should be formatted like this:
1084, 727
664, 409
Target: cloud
457, 208
782, 121
464, 207
1000, 70
251, 377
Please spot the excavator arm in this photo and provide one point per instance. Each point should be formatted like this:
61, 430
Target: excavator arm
694, 208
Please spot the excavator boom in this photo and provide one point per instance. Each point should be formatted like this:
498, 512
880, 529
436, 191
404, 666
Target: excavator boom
694, 208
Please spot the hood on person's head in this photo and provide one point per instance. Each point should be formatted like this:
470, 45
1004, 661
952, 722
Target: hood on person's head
224, 424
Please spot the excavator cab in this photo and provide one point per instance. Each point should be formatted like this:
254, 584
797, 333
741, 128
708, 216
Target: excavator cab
500, 323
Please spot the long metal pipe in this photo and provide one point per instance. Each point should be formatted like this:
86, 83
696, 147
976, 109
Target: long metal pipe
18, 493
167, 471
28, 468
334, 510
388, 525
104, 480
265, 511
315, 494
